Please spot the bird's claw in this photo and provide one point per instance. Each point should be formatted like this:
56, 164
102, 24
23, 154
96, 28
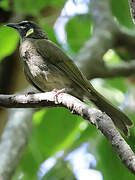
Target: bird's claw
29, 93
59, 91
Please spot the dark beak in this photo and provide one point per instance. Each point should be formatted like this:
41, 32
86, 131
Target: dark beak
13, 25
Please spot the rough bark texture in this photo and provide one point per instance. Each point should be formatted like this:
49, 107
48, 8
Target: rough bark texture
94, 116
107, 34
13, 141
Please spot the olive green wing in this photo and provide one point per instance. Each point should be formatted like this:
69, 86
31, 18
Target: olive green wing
54, 55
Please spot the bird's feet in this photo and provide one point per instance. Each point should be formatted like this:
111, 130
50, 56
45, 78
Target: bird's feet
59, 91
29, 93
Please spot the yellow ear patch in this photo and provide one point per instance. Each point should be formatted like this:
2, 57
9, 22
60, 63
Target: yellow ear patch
30, 31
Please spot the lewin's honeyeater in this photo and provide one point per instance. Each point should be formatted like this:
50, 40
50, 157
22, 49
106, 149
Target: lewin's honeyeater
47, 67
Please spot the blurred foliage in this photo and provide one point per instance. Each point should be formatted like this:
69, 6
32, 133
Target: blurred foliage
4, 4
78, 31
121, 11
57, 129
111, 57
50, 33
8, 41
109, 164
32, 7
56, 173
50, 134
118, 83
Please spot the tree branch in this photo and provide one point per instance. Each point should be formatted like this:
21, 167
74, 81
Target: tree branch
107, 34
124, 69
105, 37
14, 140
94, 116
90, 59
132, 9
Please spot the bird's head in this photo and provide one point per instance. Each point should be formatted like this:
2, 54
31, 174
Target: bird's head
28, 29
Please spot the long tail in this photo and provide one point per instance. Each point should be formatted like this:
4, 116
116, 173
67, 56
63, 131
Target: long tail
119, 118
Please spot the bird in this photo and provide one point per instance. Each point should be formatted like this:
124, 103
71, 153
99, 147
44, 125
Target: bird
47, 67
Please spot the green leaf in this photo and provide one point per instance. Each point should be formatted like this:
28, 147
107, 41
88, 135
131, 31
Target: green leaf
55, 132
111, 57
4, 4
120, 10
34, 7
118, 83
8, 41
54, 129
50, 31
78, 31
86, 135
108, 162
109, 90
